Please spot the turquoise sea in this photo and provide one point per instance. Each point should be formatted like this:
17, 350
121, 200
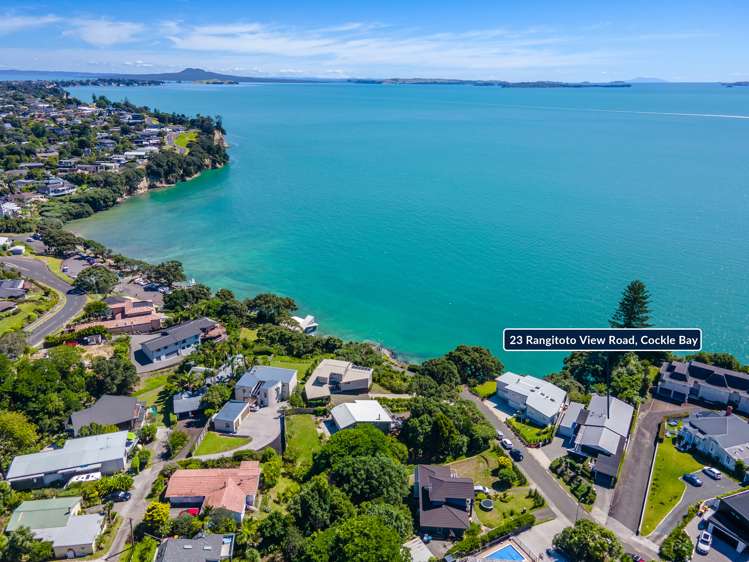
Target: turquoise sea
426, 216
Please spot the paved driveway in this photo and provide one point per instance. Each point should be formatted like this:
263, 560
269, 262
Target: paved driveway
262, 427
693, 494
629, 495
720, 550
56, 320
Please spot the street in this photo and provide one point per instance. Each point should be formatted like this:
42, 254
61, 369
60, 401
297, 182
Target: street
559, 500
57, 318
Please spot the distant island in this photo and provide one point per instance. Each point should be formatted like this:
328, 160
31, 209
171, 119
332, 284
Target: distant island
735, 84
200, 76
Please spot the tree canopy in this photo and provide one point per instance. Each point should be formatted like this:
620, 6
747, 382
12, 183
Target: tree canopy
588, 541
96, 279
634, 307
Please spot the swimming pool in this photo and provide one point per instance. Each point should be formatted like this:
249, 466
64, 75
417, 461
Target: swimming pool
508, 552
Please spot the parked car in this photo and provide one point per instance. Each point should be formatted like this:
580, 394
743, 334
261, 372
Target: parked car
713, 473
704, 542
693, 479
500, 435
506, 443
516, 454
191, 511
483, 489
118, 496
637, 558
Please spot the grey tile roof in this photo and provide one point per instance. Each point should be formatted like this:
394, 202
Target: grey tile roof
178, 333
84, 451
728, 431
199, 549
106, 411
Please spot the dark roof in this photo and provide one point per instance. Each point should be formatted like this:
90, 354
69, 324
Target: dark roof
7, 305
107, 410
728, 431
180, 332
692, 371
12, 293
200, 549
608, 465
444, 483
739, 503
440, 484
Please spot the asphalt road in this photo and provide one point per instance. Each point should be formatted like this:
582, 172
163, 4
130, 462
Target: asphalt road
38, 271
630, 492
545, 482
710, 488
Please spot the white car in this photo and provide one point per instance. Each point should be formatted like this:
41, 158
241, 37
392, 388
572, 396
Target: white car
713, 473
703, 542
506, 443
500, 435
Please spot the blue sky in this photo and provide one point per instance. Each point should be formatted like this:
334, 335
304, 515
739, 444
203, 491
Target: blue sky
601, 40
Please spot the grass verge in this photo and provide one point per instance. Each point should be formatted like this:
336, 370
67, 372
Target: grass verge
214, 443
302, 439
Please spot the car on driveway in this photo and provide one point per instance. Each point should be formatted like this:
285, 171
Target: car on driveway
703, 542
713, 473
506, 443
693, 479
118, 496
500, 435
516, 454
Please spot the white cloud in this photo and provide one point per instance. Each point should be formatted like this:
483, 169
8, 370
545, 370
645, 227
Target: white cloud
104, 32
361, 44
11, 24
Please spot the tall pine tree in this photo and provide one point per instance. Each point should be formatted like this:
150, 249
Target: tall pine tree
634, 307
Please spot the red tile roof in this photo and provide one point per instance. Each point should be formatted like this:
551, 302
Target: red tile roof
219, 487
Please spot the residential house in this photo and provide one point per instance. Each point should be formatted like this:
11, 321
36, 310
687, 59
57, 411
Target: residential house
358, 412
182, 339
602, 435
61, 522
123, 411
536, 399
307, 325
444, 499
234, 489
572, 416
8, 307
188, 404
230, 416
722, 437
730, 521
333, 376
202, 548
127, 315
9, 209
99, 453
56, 187
266, 385
692, 380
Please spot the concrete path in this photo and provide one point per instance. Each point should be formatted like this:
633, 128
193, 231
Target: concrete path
56, 319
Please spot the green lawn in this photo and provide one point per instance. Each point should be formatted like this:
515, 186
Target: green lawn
216, 443
248, 334
302, 439
485, 390
529, 432
517, 500
149, 389
478, 468
34, 307
286, 362
666, 487
185, 138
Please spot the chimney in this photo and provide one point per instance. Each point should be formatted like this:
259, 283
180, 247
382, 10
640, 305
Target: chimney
729, 410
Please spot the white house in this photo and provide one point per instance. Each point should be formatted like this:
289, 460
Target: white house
537, 399
105, 453
230, 416
352, 414
724, 438
182, 339
681, 381
267, 385
333, 376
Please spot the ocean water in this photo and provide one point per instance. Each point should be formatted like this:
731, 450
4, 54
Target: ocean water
422, 217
